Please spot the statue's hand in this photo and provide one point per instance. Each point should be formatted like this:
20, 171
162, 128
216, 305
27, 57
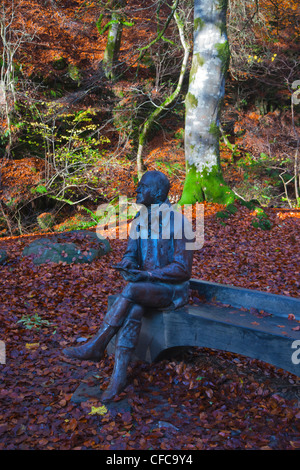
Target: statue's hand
126, 263
137, 276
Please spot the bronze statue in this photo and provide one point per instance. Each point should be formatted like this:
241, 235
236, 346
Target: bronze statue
156, 265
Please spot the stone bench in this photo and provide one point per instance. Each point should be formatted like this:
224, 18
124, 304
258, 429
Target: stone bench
226, 327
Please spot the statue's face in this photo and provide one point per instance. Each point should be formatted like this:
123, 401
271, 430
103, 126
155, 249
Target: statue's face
146, 193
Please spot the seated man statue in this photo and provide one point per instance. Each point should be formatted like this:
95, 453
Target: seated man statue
157, 266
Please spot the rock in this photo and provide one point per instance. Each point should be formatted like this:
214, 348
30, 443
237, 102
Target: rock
166, 425
46, 250
3, 256
60, 63
92, 387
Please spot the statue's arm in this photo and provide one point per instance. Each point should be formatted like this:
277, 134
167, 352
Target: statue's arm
181, 267
130, 257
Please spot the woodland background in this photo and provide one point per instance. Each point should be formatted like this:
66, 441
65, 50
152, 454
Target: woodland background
68, 143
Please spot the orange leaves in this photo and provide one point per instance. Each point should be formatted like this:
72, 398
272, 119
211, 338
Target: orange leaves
69, 425
254, 116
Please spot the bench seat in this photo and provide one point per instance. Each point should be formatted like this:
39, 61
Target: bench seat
225, 327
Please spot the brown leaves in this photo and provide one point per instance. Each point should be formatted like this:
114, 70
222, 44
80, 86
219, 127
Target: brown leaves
217, 400
246, 257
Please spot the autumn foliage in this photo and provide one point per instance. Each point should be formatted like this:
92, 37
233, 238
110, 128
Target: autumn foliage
201, 399
198, 399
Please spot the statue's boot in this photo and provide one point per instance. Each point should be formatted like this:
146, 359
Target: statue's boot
118, 379
94, 349
127, 339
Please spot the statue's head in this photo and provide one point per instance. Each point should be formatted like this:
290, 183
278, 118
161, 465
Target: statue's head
153, 188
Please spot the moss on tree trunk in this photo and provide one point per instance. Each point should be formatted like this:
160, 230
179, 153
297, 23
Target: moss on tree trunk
205, 186
204, 180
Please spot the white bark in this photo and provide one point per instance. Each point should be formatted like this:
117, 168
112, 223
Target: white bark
112, 50
207, 84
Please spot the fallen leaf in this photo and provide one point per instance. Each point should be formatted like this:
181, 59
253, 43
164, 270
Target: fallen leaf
32, 345
100, 410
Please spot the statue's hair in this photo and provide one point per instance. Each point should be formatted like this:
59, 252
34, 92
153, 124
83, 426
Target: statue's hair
162, 183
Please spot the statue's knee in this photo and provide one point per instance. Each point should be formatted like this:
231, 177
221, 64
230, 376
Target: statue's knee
136, 312
133, 291
128, 291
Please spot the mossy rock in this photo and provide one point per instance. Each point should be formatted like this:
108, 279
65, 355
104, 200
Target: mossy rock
60, 63
74, 73
3, 256
53, 251
231, 208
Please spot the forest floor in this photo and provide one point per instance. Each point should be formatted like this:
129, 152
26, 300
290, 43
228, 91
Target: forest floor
199, 400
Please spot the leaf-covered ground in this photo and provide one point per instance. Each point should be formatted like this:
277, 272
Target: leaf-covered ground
199, 399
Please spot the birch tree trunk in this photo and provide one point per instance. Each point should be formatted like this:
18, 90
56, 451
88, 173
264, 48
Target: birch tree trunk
203, 102
111, 53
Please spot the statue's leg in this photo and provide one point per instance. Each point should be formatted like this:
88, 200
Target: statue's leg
142, 295
94, 349
149, 294
126, 342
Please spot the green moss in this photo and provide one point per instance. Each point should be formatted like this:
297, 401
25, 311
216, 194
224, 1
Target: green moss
192, 190
74, 73
223, 53
191, 101
198, 24
223, 27
223, 4
222, 215
227, 212
261, 222
208, 186
45, 220
198, 61
109, 50
214, 130
251, 205
98, 24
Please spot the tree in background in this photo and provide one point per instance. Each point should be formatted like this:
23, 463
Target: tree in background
12, 37
115, 28
203, 103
